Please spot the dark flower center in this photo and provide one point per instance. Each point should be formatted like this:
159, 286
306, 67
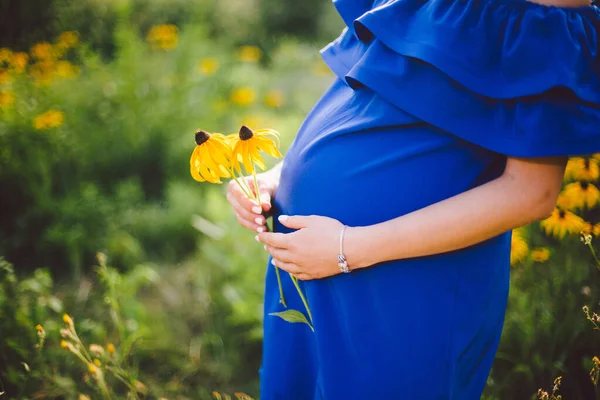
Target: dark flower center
586, 164
245, 133
584, 185
561, 214
201, 136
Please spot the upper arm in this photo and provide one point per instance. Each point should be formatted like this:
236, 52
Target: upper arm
540, 177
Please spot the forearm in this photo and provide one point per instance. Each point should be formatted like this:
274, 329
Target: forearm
455, 223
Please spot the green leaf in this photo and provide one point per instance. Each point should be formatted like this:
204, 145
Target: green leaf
293, 316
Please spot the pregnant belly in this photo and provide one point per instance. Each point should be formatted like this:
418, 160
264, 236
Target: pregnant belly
346, 164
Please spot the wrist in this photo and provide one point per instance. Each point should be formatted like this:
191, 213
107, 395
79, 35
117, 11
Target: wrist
356, 248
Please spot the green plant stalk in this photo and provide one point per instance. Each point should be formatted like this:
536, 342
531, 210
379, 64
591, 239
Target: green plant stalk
257, 198
118, 375
243, 187
295, 280
594, 254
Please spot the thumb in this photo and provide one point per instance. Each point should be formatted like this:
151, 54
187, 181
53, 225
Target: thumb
294, 221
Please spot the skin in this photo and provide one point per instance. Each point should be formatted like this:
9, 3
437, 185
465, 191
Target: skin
524, 193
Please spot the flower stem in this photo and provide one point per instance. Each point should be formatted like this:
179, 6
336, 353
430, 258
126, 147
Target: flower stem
295, 280
281, 297
594, 254
256, 188
243, 187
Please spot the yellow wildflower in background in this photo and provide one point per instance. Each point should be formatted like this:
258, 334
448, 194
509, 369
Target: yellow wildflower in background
6, 56
208, 66
19, 62
7, 99
250, 54
43, 51
211, 157
43, 72
163, 37
243, 96
248, 144
540, 254
50, 119
580, 195
582, 169
561, 223
4, 77
111, 348
65, 69
84, 397
518, 247
274, 98
66, 41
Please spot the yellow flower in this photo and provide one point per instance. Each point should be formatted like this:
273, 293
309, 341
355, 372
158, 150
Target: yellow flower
111, 348
208, 66
249, 54
578, 195
42, 72
39, 327
19, 62
274, 98
43, 51
97, 362
4, 77
65, 69
582, 169
49, 119
163, 37
5, 56
561, 223
518, 247
67, 320
64, 344
211, 157
248, 144
84, 397
243, 96
541, 254
66, 41
7, 99
92, 368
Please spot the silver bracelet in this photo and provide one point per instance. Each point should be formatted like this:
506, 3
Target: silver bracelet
342, 263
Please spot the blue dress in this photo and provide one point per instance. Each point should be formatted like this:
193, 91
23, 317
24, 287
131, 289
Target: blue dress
431, 96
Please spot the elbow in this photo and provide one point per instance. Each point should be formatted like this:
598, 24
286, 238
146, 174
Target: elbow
543, 204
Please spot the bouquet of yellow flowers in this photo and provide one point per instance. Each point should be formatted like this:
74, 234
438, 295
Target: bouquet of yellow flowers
218, 156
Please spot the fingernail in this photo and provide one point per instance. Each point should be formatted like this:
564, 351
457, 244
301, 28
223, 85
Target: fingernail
265, 246
258, 220
283, 218
257, 238
273, 261
260, 229
257, 210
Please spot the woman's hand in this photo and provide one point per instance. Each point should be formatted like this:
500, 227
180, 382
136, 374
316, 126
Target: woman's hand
249, 214
308, 253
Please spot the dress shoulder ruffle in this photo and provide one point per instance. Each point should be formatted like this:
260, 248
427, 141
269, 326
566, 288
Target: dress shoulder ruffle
513, 76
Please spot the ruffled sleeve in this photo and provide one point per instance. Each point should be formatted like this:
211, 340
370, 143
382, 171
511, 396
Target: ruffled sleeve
512, 76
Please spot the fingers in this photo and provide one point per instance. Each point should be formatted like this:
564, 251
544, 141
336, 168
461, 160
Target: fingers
286, 266
265, 195
279, 254
279, 240
295, 221
245, 214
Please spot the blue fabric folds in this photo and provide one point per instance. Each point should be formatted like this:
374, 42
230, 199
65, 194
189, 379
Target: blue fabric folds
512, 76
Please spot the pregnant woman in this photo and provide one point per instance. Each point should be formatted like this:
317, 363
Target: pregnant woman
448, 125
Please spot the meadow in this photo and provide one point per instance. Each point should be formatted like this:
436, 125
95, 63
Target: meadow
122, 277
